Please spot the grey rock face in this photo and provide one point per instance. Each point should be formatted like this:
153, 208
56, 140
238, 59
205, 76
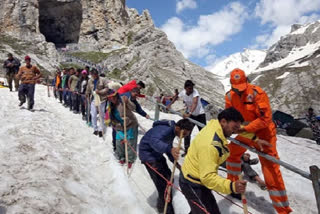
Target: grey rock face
295, 91
294, 87
137, 49
154, 59
293, 40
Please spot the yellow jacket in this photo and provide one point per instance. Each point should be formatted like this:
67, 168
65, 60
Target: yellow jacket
208, 150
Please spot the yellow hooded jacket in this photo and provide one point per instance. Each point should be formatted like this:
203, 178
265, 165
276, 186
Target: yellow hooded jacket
208, 150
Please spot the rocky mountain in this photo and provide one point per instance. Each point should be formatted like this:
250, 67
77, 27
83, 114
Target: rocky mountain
127, 45
289, 71
302, 41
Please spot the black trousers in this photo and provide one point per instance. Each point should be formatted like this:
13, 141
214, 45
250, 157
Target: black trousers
199, 194
162, 167
200, 118
114, 135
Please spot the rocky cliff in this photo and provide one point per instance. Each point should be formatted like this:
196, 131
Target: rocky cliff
127, 44
290, 72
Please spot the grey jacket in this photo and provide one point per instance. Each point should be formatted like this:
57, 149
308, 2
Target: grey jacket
102, 86
14, 68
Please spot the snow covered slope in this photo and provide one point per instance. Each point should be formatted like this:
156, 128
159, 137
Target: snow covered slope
51, 163
248, 61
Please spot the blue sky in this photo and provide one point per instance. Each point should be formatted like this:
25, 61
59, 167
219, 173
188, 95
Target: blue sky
206, 31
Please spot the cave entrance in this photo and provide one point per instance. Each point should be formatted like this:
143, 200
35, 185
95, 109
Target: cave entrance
60, 22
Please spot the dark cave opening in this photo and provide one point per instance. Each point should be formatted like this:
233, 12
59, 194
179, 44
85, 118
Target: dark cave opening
60, 22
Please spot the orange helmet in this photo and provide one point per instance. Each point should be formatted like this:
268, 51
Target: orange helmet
238, 79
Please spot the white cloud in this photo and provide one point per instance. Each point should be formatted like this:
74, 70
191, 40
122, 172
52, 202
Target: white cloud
284, 12
210, 30
186, 4
212, 60
267, 40
281, 14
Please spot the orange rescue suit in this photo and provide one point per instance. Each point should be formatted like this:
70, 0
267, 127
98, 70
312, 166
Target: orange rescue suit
254, 105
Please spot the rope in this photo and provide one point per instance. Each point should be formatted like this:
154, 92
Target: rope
170, 184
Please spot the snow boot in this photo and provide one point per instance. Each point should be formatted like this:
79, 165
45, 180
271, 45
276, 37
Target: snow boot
95, 132
100, 134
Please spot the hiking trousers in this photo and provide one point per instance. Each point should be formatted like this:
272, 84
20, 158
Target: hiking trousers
199, 194
94, 116
26, 93
161, 185
270, 170
58, 94
11, 76
120, 147
65, 96
75, 101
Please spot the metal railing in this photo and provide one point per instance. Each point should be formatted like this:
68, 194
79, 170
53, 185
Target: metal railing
313, 176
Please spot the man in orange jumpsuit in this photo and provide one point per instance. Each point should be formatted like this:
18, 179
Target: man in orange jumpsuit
253, 103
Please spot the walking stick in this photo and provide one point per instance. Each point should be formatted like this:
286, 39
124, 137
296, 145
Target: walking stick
172, 175
243, 198
125, 135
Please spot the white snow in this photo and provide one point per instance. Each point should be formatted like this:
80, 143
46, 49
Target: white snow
283, 75
256, 78
248, 61
51, 163
301, 30
295, 54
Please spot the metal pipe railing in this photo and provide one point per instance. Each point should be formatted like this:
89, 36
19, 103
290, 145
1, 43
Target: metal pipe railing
315, 171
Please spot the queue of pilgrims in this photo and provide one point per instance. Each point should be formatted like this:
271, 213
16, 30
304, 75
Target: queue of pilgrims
85, 91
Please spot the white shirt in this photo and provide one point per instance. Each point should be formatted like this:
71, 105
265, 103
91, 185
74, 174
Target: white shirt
189, 99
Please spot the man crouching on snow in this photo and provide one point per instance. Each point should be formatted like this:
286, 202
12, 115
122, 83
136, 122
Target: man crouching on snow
153, 145
208, 150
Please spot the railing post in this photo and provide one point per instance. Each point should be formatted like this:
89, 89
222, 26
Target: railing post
315, 176
47, 81
156, 112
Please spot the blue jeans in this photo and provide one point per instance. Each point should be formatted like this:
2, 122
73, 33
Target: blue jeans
65, 96
26, 92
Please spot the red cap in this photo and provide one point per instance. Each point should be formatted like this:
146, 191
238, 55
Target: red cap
238, 79
27, 58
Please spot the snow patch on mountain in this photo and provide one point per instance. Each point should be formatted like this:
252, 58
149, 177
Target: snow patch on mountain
295, 54
248, 61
